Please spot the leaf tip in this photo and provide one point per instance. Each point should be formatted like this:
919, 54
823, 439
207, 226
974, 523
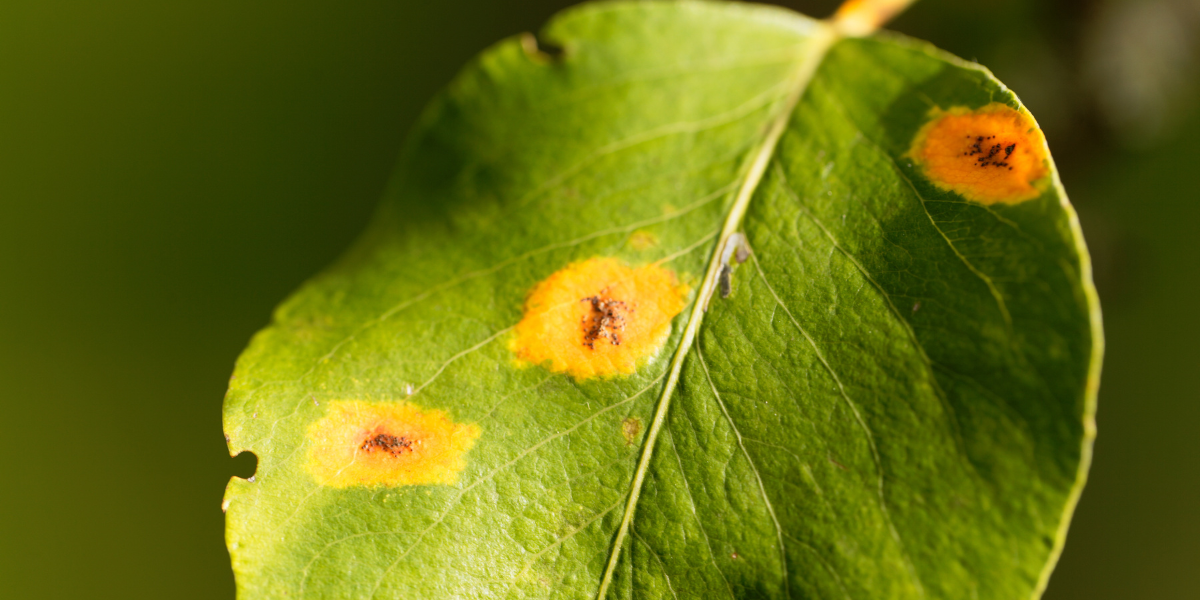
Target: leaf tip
539, 50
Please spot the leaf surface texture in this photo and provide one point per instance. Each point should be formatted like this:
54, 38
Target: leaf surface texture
891, 396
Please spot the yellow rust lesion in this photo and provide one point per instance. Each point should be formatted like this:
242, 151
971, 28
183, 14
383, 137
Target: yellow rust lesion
994, 154
359, 443
598, 317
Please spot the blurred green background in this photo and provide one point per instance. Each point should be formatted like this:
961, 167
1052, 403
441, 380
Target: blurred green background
169, 171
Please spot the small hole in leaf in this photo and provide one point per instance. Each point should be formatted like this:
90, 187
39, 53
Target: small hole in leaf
245, 465
541, 50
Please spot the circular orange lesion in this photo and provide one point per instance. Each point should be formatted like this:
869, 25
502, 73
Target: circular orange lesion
598, 317
992, 154
391, 444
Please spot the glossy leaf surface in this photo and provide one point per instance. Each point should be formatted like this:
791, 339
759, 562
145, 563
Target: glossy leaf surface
890, 396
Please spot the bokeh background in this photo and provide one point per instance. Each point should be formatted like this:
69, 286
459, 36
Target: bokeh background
169, 171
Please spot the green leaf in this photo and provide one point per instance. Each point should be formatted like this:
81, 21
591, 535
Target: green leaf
891, 397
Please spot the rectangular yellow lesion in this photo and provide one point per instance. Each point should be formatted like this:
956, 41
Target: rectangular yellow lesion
598, 317
359, 443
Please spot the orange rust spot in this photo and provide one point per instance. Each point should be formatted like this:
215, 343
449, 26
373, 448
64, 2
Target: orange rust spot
989, 155
598, 317
391, 444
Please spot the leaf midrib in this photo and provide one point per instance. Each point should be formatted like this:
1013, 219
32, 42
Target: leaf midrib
825, 35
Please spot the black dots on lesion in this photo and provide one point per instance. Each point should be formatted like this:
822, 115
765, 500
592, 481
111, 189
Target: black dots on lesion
606, 320
386, 442
990, 156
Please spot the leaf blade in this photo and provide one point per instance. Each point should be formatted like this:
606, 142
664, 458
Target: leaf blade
967, 472
419, 310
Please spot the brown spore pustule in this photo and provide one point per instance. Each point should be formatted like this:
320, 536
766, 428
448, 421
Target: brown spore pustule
360, 443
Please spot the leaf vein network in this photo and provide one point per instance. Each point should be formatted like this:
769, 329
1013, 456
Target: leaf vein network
747, 108
892, 310
657, 559
861, 423
787, 585
712, 553
305, 571
703, 201
454, 502
991, 285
